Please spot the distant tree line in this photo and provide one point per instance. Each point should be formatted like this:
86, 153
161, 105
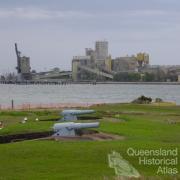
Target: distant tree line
127, 77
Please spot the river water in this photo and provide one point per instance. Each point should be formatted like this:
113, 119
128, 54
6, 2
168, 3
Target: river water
85, 93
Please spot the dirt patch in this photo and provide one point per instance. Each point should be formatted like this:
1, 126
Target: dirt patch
115, 120
103, 137
172, 121
91, 135
54, 120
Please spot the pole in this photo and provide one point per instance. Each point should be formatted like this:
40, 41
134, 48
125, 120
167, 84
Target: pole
12, 104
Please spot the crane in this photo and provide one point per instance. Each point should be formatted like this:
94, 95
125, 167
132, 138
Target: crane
18, 54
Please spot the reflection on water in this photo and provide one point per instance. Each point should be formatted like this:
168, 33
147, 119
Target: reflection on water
76, 93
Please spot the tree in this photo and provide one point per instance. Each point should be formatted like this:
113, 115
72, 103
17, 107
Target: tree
149, 77
127, 77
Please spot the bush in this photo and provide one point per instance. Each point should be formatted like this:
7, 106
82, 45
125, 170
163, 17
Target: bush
158, 100
142, 100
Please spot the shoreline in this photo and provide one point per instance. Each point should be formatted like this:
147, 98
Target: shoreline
86, 82
28, 106
136, 83
60, 106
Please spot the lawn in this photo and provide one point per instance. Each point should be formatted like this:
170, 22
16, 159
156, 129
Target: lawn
142, 126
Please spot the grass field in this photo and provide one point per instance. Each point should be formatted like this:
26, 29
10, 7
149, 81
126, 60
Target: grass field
143, 126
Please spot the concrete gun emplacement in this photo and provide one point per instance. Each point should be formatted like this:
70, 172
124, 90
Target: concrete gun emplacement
68, 129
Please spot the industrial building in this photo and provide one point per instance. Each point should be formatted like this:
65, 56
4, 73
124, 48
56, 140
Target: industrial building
101, 50
98, 65
178, 78
125, 64
95, 64
24, 72
23, 66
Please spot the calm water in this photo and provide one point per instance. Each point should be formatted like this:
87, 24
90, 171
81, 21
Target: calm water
107, 93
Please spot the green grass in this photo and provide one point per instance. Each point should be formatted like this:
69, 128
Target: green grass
12, 121
138, 108
151, 128
143, 126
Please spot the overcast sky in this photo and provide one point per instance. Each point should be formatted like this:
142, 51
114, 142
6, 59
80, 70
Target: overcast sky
51, 32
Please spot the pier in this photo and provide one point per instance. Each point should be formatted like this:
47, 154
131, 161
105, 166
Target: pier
36, 82
49, 82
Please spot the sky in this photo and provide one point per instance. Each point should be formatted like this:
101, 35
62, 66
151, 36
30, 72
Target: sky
51, 32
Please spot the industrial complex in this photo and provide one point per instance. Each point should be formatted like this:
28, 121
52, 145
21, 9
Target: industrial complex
98, 65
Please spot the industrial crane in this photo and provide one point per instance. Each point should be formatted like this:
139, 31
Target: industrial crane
18, 54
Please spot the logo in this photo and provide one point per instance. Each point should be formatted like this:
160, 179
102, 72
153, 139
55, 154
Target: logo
121, 166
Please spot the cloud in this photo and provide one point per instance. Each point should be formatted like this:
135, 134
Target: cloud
46, 14
40, 14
